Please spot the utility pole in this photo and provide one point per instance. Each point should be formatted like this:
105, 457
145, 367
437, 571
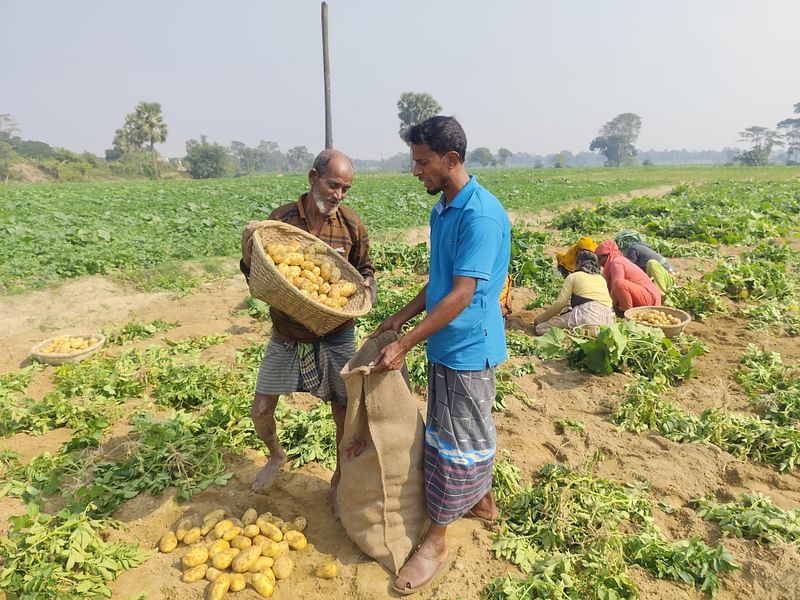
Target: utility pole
326, 69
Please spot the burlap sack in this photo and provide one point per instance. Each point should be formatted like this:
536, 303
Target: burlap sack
381, 494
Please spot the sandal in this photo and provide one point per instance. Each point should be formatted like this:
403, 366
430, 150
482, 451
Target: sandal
418, 572
487, 522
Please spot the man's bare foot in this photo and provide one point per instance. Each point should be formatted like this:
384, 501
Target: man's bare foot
267, 476
485, 509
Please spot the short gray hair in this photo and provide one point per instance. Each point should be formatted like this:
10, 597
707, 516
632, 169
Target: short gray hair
323, 158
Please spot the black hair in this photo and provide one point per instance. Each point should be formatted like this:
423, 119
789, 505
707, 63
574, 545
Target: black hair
587, 262
441, 134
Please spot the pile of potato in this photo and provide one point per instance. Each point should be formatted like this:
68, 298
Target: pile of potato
233, 553
311, 271
67, 344
655, 317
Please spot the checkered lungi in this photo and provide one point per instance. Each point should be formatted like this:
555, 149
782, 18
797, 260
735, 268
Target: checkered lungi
460, 440
314, 367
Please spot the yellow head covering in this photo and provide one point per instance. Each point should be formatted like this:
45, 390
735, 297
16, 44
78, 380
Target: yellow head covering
567, 259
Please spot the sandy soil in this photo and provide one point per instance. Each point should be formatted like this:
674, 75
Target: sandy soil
677, 472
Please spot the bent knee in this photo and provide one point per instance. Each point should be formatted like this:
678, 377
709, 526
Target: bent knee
263, 405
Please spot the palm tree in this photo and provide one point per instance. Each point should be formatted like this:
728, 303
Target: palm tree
151, 127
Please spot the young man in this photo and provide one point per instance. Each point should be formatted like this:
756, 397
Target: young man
297, 359
470, 252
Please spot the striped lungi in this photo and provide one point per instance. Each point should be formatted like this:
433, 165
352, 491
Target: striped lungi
460, 440
290, 366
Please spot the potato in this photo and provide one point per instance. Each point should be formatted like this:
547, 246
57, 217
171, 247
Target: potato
223, 526
215, 515
231, 533
222, 560
270, 530
217, 589
207, 527
263, 585
271, 549
251, 531
282, 567
301, 523
245, 559
296, 540
283, 547
194, 556
328, 570
249, 517
212, 573
238, 582
237, 522
218, 546
260, 539
261, 564
196, 573
192, 536
183, 526
168, 542
241, 542
287, 527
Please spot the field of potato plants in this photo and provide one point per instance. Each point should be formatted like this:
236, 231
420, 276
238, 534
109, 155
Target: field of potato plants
629, 465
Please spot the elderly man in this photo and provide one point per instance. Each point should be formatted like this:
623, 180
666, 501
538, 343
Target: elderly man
297, 359
470, 251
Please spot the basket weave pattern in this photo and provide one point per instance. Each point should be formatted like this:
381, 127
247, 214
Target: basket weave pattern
267, 284
670, 331
53, 358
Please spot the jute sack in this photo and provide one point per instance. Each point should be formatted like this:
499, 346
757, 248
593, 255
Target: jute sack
381, 494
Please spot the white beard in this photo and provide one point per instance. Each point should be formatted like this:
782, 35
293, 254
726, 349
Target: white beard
322, 207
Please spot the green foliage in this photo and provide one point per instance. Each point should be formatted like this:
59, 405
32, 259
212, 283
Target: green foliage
258, 309
774, 316
753, 517
398, 255
205, 160
624, 347
520, 344
532, 267
505, 386
133, 331
752, 278
574, 535
307, 436
413, 108
773, 387
195, 344
64, 556
698, 298
743, 436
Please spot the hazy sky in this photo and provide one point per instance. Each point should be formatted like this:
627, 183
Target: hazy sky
533, 76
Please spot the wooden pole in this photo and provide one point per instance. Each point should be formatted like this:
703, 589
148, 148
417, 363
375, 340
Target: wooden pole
326, 69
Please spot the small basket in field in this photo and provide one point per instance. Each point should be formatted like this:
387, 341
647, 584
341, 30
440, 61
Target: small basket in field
644, 315
268, 284
57, 351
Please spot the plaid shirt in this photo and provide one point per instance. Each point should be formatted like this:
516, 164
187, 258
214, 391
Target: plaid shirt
342, 231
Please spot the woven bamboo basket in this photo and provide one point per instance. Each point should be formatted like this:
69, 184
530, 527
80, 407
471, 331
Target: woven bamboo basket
267, 284
670, 331
52, 358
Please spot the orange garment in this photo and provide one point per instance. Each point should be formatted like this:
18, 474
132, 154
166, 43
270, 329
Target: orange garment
567, 259
628, 284
505, 298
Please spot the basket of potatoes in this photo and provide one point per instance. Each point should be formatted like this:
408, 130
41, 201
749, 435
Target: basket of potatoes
305, 278
672, 321
67, 348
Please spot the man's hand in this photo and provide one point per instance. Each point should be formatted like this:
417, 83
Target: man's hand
247, 239
391, 358
355, 449
393, 323
372, 286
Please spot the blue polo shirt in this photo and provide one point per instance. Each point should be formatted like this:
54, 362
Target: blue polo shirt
470, 237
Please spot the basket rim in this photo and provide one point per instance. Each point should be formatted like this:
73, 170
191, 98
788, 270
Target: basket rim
686, 318
258, 248
36, 350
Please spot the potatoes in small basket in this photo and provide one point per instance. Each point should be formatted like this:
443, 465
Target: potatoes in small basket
311, 271
656, 317
67, 344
